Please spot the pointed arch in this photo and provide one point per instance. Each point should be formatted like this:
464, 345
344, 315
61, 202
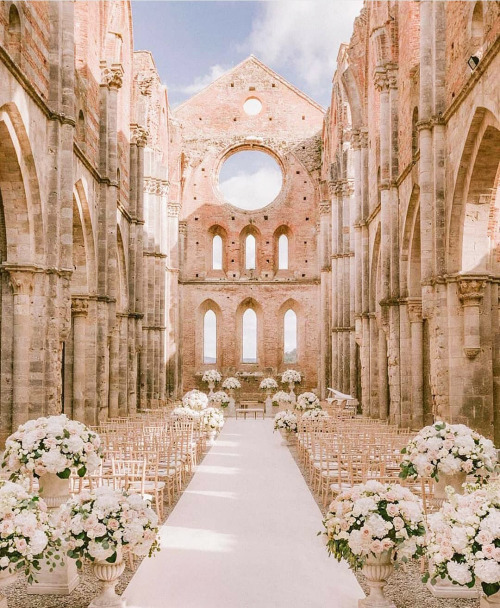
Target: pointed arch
82, 220
250, 250
122, 292
250, 347
209, 329
375, 262
291, 322
216, 250
284, 249
410, 248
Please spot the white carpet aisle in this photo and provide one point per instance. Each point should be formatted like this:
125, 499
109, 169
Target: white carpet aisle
243, 535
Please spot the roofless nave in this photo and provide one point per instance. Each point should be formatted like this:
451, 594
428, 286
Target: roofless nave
388, 213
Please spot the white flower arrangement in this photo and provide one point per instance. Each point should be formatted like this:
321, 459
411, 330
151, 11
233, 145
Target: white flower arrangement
448, 449
195, 399
372, 518
268, 384
231, 383
219, 399
281, 397
52, 445
213, 419
98, 525
26, 535
315, 414
285, 420
291, 375
212, 375
307, 401
184, 413
463, 540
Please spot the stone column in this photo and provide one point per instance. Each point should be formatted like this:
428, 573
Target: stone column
332, 188
383, 393
373, 409
79, 309
325, 328
21, 280
114, 372
123, 366
417, 364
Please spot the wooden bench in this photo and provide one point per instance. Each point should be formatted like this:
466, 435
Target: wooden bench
250, 410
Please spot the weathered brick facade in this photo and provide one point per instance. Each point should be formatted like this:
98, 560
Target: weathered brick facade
109, 204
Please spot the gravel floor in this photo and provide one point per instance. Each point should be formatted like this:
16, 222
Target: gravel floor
405, 588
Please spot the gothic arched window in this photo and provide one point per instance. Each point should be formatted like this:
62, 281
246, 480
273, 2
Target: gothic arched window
249, 337
210, 337
250, 252
290, 337
217, 252
283, 252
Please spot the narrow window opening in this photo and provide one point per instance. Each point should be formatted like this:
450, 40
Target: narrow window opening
249, 350
14, 33
250, 252
283, 252
290, 337
217, 252
210, 337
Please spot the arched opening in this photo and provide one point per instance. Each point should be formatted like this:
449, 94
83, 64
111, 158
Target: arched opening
249, 336
283, 252
250, 252
210, 337
477, 26
80, 128
14, 33
217, 252
290, 337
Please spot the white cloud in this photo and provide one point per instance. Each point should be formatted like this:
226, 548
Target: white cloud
252, 189
200, 82
303, 35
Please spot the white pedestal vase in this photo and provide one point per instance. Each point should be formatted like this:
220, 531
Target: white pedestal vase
211, 435
7, 577
211, 386
64, 577
288, 437
108, 574
377, 570
269, 404
291, 386
444, 588
492, 601
231, 408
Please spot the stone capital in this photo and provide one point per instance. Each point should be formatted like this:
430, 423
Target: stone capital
348, 188
163, 188
325, 207
415, 311
112, 77
183, 228
145, 84
21, 280
363, 138
79, 307
139, 136
150, 186
356, 139
173, 209
380, 79
392, 75
332, 187
471, 291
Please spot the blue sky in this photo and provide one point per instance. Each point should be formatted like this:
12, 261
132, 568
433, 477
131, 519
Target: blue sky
195, 42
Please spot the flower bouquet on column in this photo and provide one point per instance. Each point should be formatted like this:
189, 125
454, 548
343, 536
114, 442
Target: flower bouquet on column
230, 385
307, 401
27, 538
211, 377
372, 526
291, 377
281, 400
195, 400
463, 542
286, 423
213, 419
219, 399
49, 449
101, 526
269, 385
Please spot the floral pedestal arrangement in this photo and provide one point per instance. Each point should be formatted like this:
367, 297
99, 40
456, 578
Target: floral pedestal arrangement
291, 377
288, 437
211, 377
195, 400
213, 420
268, 385
377, 570
100, 526
230, 385
307, 401
7, 577
463, 543
370, 526
286, 423
50, 448
281, 400
220, 400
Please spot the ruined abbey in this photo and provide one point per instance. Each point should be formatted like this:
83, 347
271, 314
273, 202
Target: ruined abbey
118, 248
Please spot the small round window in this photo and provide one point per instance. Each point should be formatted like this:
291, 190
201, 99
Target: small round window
252, 106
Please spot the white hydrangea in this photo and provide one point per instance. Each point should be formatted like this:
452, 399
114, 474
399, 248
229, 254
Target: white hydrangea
286, 420
307, 401
281, 397
195, 399
291, 375
268, 384
212, 375
231, 383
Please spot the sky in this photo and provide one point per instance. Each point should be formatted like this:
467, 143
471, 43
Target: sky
195, 42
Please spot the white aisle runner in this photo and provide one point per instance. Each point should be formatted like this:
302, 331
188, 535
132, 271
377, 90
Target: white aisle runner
243, 535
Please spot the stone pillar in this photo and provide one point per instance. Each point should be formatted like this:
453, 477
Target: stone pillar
417, 364
374, 408
79, 309
21, 280
114, 372
383, 393
123, 366
325, 327
332, 188
176, 239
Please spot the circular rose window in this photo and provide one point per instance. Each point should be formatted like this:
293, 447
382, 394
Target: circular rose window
250, 179
252, 106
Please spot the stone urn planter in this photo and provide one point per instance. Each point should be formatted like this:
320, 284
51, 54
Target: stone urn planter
269, 402
64, 577
211, 386
492, 601
108, 574
230, 410
7, 577
293, 397
288, 437
377, 569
